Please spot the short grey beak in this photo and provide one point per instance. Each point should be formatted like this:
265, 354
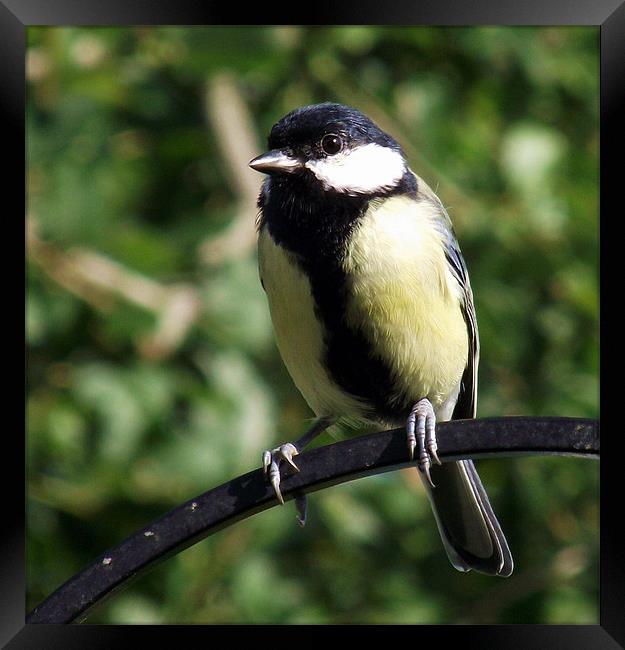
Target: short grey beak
275, 161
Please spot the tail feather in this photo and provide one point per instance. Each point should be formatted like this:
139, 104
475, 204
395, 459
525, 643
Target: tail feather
468, 526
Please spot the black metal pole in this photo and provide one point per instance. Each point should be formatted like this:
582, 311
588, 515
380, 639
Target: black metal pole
320, 468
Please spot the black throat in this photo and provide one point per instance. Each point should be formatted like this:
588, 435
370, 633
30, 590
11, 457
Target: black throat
316, 227
313, 224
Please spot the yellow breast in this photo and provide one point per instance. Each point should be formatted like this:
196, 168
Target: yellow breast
405, 300
299, 334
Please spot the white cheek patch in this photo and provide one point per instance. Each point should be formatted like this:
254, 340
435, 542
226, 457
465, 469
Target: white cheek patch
366, 169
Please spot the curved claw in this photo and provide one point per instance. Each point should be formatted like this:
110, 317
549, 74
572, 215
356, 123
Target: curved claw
432, 449
426, 471
274, 478
287, 452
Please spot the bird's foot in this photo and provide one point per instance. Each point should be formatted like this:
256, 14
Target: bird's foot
271, 467
421, 431
284, 453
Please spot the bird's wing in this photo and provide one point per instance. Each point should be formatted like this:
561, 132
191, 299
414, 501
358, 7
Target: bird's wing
466, 406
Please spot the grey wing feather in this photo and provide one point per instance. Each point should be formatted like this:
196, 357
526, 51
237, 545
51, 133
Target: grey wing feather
466, 406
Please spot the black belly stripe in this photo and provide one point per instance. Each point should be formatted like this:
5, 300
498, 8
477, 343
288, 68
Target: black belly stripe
317, 233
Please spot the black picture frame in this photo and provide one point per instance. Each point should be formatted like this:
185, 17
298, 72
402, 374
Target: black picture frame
16, 15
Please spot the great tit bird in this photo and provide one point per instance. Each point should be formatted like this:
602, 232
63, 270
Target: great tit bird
372, 307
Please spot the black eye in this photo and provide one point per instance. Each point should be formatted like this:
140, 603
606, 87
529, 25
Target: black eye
331, 144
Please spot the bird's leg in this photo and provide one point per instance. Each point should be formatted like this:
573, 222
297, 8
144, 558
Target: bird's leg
421, 430
273, 459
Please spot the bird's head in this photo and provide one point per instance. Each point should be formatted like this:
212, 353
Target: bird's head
335, 149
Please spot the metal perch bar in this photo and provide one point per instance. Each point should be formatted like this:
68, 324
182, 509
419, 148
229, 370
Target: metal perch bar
319, 468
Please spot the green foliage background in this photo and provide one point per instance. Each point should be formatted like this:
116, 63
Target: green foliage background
123, 163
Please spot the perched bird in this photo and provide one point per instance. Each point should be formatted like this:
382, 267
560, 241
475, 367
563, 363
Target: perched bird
372, 307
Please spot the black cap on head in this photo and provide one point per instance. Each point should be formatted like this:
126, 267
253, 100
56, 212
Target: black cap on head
304, 128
